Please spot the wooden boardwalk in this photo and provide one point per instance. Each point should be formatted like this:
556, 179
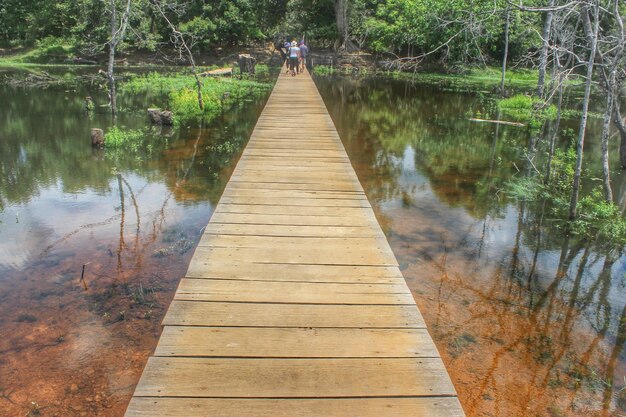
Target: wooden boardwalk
293, 304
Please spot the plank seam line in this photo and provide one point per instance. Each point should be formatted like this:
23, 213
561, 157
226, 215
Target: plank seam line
291, 236
299, 398
300, 282
178, 297
363, 226
292, 224
292, 358
423, 327
324, 264
381, 329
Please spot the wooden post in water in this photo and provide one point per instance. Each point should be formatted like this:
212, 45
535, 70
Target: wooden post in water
247, 64
97, 138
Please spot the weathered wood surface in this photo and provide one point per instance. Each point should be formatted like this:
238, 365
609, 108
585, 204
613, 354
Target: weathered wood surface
293, 304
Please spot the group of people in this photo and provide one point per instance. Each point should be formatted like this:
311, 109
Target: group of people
295, 55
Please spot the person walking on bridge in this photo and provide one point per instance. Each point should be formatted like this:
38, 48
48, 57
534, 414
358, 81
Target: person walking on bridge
304, 52
294, 58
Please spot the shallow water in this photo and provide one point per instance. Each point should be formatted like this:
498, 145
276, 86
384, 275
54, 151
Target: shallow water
529, 322
73, 347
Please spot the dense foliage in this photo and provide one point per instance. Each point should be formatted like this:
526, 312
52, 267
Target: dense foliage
471, 30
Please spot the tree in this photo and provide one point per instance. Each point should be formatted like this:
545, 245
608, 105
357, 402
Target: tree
118, 32
179, 41
592, 29
543, 55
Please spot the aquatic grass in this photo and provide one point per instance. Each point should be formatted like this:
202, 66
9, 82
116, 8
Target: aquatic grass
323, 70
527, 109
219, 94
128, 139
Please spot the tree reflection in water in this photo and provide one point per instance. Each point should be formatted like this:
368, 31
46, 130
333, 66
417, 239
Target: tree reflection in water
529, 321
131, 219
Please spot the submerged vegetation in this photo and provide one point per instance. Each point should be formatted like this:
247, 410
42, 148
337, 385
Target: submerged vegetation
598, 220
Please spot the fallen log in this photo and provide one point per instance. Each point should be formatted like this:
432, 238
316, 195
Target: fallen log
220, 72
502, 122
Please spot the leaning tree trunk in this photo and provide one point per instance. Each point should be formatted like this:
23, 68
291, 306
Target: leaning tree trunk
593, 42
543, 56
506, 49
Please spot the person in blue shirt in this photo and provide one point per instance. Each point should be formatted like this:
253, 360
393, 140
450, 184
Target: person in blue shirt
304, 52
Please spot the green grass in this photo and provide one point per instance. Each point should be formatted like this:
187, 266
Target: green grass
137, 143
130, 139
219, 94
49, 50
527, 109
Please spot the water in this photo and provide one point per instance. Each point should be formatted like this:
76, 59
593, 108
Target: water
528, 321
77, 347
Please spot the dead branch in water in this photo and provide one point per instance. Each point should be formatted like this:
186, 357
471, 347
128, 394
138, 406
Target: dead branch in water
501, 122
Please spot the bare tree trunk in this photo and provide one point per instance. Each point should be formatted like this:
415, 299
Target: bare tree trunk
506, 49
555, 132
341, 18
112, 46
543, 57
606, 126
117, 35
620, 124
593, 41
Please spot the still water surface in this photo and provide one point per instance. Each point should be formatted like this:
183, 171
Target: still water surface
529, 322
72, 347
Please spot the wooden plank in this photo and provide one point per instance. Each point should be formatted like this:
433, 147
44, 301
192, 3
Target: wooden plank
201, 268
231, 198
293, 194
326, 255
268, 185
304, 220
192, 289
343, 407
291, 210
338, 245
295, 343
294, 231
289, 378
193, 313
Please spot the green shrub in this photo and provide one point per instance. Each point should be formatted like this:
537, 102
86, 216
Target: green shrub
323, 70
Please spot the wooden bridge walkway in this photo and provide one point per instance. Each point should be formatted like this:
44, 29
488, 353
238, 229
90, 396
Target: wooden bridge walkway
293, 305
